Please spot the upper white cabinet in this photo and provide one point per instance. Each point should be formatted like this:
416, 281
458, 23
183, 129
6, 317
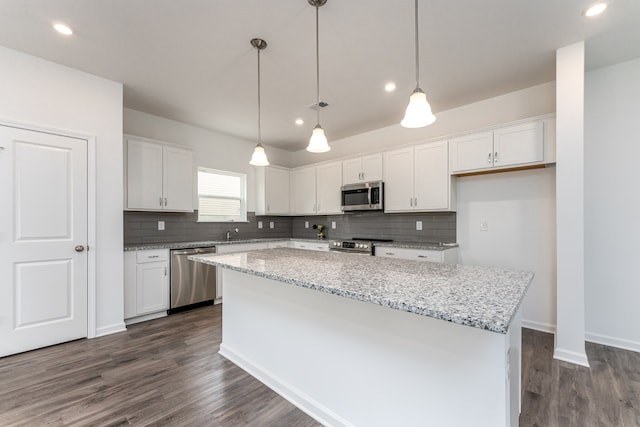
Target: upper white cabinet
272, 191
417, 179
362, 169
506, 147
316, 190
159, 176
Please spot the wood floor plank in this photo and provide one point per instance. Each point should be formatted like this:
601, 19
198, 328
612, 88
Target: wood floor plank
167, 372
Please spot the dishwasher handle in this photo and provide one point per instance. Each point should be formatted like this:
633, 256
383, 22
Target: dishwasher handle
194, 251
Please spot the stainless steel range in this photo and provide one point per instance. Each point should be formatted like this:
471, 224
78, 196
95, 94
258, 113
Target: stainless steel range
355, 245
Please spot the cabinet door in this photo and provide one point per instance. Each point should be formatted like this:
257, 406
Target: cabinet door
276, 191
472, 152
304, 191
372, 167
398, 175
178, 179
518, 144
152, 287
432, 180
144, 175
328, 183
352, 171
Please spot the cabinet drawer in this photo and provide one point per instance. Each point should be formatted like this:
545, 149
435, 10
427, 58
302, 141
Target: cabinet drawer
412, 254
153, 255
311, 246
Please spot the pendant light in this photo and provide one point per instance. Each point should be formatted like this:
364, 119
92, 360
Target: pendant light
418, 113
259, 157
318, 141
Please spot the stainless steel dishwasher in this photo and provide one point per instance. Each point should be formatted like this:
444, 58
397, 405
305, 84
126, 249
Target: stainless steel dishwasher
193, 284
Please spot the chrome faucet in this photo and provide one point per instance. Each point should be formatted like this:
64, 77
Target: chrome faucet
229, 233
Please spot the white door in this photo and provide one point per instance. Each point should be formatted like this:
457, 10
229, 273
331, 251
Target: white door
277, 190
144, 175
43, 238
518, 144
177, 181
472, 152
432, 176
328, 183
352, 171
304, 191
398, 176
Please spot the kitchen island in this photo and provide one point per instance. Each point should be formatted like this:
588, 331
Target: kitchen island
356, 340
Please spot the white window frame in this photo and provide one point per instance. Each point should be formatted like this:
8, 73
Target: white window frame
242, 198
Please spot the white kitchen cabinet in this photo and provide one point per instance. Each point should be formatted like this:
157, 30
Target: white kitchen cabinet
505, 147
159, 177
316, 190
362, 169
310, 245
446, 256
417, 179
146, 284
272, 189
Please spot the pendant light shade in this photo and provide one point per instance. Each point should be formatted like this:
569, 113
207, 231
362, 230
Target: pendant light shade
318, 141
259, 157
418, 113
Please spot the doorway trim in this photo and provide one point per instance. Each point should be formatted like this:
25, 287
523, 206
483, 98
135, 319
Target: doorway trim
91, 210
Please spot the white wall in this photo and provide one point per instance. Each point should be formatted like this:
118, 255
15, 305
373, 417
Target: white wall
612, 205
211, 149
530, 102
48, 95
520, 210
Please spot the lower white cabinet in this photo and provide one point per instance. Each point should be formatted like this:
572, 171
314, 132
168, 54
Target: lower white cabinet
447, 256
146, 284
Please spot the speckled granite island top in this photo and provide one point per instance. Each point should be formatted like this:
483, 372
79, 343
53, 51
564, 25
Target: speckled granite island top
482, 297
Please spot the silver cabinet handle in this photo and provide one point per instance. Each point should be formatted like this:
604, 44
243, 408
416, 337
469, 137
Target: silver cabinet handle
489, 158
415, 202
165, 271
389, 253
154, 256
423, 256
495, 156
160, 201
79, 248
410, 201
165, 201
268, 209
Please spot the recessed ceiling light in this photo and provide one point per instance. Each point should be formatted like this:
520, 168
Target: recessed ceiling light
63, 29
596, 9
390, 87
299, 122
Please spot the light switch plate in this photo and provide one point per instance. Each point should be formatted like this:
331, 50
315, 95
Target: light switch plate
160, 225
333, 225
259, 224
272, 224
306, 224
484, 225
419, 225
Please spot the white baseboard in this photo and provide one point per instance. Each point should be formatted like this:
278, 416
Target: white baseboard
571, 357
110, 329
613, 342
303, 402
538, 326
146, 317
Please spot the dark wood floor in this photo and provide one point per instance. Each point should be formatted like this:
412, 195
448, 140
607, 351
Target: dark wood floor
168, 372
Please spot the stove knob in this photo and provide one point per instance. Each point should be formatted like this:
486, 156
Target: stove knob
365, 246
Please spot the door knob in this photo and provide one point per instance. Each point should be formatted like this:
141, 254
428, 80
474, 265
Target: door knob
79, 248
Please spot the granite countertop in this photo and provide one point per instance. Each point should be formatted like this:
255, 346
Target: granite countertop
482, 297
417, 245
209, 243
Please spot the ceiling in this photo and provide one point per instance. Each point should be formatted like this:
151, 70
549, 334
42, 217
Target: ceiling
191, 60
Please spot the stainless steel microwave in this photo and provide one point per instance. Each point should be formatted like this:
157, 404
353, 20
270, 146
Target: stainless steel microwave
365, 196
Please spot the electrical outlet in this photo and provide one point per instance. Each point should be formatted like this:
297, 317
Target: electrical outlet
484, 225
306, 224
259, 224
272, 224
333, 225
419, 225
160, 225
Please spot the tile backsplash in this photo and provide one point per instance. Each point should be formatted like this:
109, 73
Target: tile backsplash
436, 227
142, 227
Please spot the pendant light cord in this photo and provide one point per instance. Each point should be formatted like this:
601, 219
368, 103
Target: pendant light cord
417, 50
259, 114
317, 66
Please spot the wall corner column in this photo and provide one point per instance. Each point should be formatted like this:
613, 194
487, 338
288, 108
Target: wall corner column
570, 334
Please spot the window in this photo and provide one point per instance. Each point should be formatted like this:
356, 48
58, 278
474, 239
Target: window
221, 196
